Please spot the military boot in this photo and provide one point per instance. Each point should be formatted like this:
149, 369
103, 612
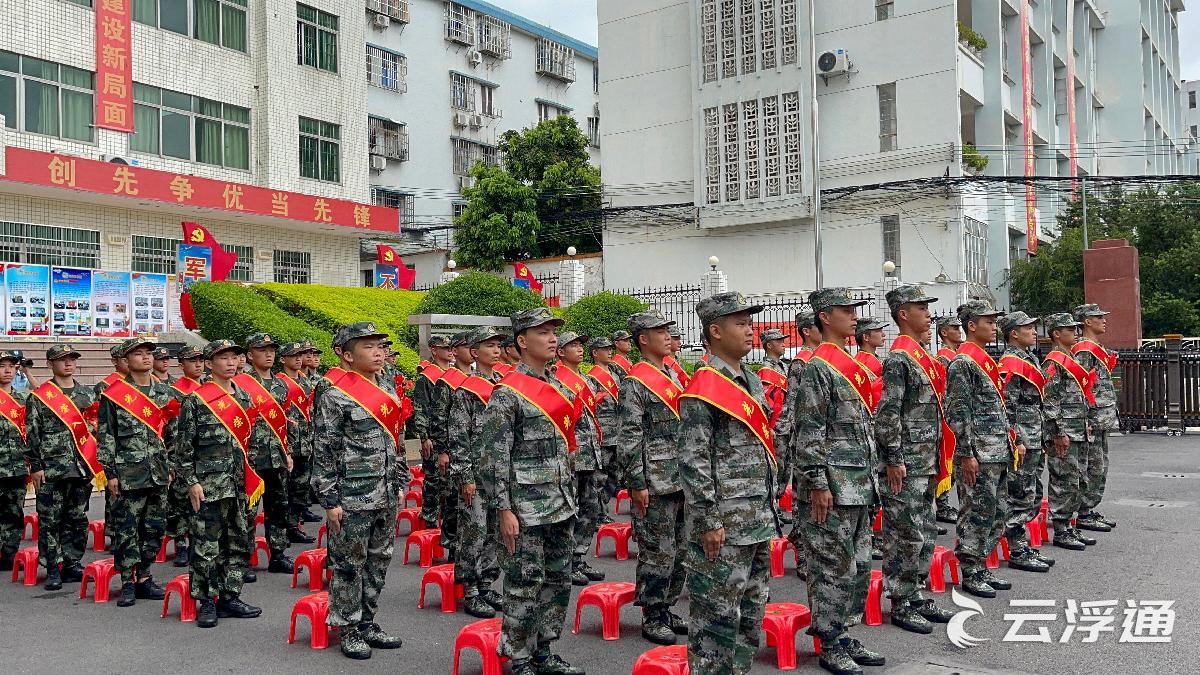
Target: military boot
1087, 541
837, 660
477, 607
233, 607
183, 556
523, 668
249, 576
148, 590
976, 584
53, 580
353, 644
941, 530
861, 655
374, 636
310, 517
1064, 538
926, 608
493, 597
906, 616
591, 572
578, 578
72, 574
553, 664
1026, 560
297, 536
1089, 521
206, 613
1099, 517
656, 630
996, 582
280, 563
876, 547
1037, 553
128, 595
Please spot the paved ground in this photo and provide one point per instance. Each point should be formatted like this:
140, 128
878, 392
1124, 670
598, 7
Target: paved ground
1151, 556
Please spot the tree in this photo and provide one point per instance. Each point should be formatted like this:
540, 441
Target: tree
500, 222
602, 314
474, 294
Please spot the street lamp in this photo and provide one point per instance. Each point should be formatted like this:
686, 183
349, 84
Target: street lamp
571, 251
713, 261
889, 267
450, 264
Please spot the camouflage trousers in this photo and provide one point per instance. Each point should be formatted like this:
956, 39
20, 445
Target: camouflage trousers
1066, 487
276, 516
12, 514
909, 535
1097, 471
727, 597
359, 555
219, 553
943, 502
475, 565
62, 521
796, 536
590, 510
662, 545
179, 513
981, 514
300, 495
610, 481
839, 567
1024, 498
439, 501
784, 476
139, 520
537, 588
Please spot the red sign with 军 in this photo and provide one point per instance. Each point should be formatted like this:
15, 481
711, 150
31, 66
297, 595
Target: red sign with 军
114, 66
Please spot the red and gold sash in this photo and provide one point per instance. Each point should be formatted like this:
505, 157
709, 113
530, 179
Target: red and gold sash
334, 374
454, 377
714, 388
12, 411
772, 378
804, 355
238, 422
1084, 378
853, 371
69, 414
548, 399
585, 399
871, 361
185, 385
296, 396
678, 369
1012, 366
936, 373
605, 379
433, 373
479, 386
987, 364
946, 353
265, 406
658, 383
502, 368
622, 362
1103, 356
131, 399
775, 390
380, 404
423, 365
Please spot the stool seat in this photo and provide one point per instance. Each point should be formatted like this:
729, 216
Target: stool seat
428, 544
412, 516
321, 532
672, 660
100, 573
484, 637
622, 496
781, 622
620, 533
314, 561
609, 597
779, 549
162, 549
260, 520
874, 609
96, 529
414, 495
785, 502
181, 586
26, 559
316, 608
942, 559
877, 524
416, 472
443, 576
30, 523
260, 543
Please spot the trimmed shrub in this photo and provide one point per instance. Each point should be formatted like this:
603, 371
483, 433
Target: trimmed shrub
227, 311
474, 294
602, 314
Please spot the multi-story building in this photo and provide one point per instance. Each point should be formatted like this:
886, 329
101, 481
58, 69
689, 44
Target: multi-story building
1191, 124
906, 90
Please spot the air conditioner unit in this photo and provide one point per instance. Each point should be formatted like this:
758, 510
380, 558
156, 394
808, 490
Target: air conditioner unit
835, 62
474, 57
378, 162
476, 121
382, 21
461, 119
465, 182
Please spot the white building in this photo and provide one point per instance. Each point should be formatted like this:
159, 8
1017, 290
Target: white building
1191, 123
447, 79
708, 104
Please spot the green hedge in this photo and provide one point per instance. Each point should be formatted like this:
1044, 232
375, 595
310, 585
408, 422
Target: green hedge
475, 294
227, 311
602, 314
330, 307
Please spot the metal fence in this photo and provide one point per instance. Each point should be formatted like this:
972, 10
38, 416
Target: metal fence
1159, 388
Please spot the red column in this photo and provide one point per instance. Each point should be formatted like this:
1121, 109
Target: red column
1111, 280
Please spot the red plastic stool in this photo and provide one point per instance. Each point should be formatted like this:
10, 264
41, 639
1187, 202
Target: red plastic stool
416, 472
412, 517
1045, 510
779, 549
671, 660
260, 543
608, 597
31, 523
993, 559
321, 532
877, 524
483, 637
26, 559
622, 496
942, 559
620, 533
162, 549
416, 483
96, 528
315, 607
785, 502
1035, 533
443, 576
181, 586
415, 496
428, 543
260, 520
314, 561
101, 573
781, 622
874, 608
1043, 521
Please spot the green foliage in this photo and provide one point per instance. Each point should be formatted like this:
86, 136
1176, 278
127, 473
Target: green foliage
602, 314
530, 152
476, 294
500, 222
971, 157
968, 35
227, 311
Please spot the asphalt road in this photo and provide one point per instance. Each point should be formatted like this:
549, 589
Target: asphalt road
1151, 556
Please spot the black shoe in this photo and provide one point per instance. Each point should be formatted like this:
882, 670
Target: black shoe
297, 536
578, 578
206, 614
910, 620
128, 595
478, 608
1087, 541
523, 668
183, 556
932, 612
1027, 561
591, 572
941, 530
1066, 539
249, 577
948, 515
977, 585
1037, 553
280, 563
876, 553
838, 661
1091, 522
654, 630
676, 623
353, 644
148, 590
310, 517
6, 562
72, 574
1099, 517
555, 665
374, 636
996, 582
53, 580
493, 597
861, 655
235, 608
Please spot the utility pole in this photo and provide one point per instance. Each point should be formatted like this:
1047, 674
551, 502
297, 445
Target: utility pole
815, 160
1085, 223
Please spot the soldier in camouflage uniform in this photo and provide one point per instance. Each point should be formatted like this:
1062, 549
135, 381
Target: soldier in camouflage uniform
312, 363
209, 462
600, 349
508, 347
531, 486
983, 454
121, 369
179, 509
60, 475
1066, 430
134, 457
623, 345
431, 409
300, 436
834, 475
13, 471
359, 472
1102, 417
648, 457
726, 472
162, 365
908, 430
1024, 401
949, 330
810, 335
774, 344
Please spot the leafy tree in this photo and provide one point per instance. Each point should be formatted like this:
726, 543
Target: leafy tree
474, 294
500, 222
602, 314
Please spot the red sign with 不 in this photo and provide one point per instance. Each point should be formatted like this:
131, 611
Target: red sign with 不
89, 175
114, 66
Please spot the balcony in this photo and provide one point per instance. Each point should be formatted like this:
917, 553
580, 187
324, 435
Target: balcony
459, 24
387, 138
555, 60
494, 37
396, 10
970, 75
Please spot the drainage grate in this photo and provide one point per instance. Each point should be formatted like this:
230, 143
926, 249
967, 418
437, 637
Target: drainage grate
1147, 504
1154, 474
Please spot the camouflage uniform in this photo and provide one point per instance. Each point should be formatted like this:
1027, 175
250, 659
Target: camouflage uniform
1066, 414
163, 354
589, 462
13, 474
358, 467
269, 459
787, 419
1102, 418
300, 445
179, 509
728, 482
1024, 402
531, 474
619, 373
944, 507
648, 456
431, 410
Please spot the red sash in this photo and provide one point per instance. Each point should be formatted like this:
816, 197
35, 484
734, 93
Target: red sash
659, 384
1106, 358
1084, 378
775, 390
423, 365
622, 362
605, 379
334, 374
948, 354
238, 422
480, 387
548, 399
936, 373
266, 407
714, 388
874, 365
69, 414
853, 371
131, 399
585, 399
12, 411
433, 373
804, 355
678, 369
297, 397
988, 365
502, 368
380, 404
454, 377
1014, 366
185, 385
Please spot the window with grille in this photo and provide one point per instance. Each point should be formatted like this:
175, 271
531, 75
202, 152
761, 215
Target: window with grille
320, 150
387, 69
292, 267
887, 117
890, 229
387, 138
460, 24
396, 9
401, 201
467, 152
593, 131
462, 94
753, 149
975, 233
555, 60
49, 245
243, 270
494, 36
157, 255
884, 9
316, 38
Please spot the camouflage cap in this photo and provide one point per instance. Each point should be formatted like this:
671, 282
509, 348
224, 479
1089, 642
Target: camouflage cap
13, 356
906, 294
217, 346
21, 356
460, 339
867, 324
723, 304
310, 347
532, 318
62, 351
133, 343
622, 335
482, 334
974, 309
805, 318
113, 351
945, 321
674, 331
651, 318
261, 340
567, 337
161, 353
292, 349
1015, 320
508, 340
824, 298
1059, 320
386, 343
599, 343
439, 341
1084, 311
771, 334
359, 330
191, 352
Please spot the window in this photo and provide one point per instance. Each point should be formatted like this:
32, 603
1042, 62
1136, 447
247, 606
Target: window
467, 152
157, 255
884, 9
494, 37
595, 78
549, 111
975, 234
460, 24
320, 151
218, 22
292, 267
887, 117
890, 228
462, 95
395, 199
593, 131
387, 70
396, 9
43, 97
243, 270
172, 124
487, 101
457, 209
1191, 100
555, 60
316, 38
1195, 131
387, 138
49, 245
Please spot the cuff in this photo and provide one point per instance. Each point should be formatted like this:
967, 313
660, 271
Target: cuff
893, 457
708, 520
815, 479
637, 481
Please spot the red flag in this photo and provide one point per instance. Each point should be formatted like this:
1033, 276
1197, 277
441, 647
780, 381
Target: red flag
404, 276
222, 261
387, 255
525, 278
